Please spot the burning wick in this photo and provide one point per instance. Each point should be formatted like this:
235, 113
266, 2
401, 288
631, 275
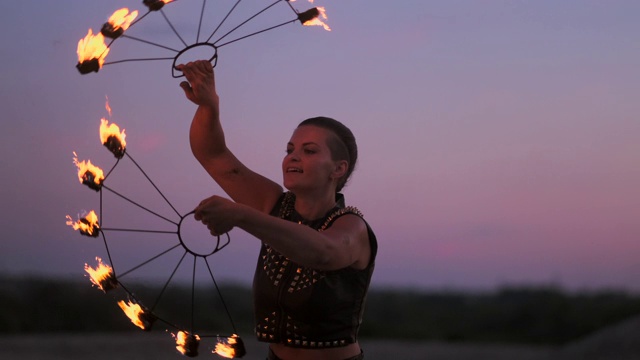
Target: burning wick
87, 225
102, 276
92, 51
231, 347
139, 315
155, 5
112, 138
89, 175
118, 23
187, 344
311, 17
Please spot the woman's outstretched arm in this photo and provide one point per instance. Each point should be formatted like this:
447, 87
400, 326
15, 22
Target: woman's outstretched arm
344, 244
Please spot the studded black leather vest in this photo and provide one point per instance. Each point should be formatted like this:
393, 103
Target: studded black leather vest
301, 307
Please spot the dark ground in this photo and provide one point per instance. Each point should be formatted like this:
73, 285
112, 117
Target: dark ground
619, 342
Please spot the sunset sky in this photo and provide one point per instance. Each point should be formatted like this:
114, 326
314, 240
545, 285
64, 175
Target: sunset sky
499, 140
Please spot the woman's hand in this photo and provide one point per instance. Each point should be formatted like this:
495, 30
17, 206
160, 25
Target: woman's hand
218, 214
200, 86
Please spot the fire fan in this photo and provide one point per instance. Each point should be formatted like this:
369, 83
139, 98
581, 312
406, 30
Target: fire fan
93, 48
237, 20
105, 277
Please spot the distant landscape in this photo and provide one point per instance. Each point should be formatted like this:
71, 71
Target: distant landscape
41, 316
518, 315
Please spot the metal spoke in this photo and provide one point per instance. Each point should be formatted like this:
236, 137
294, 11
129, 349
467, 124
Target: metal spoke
224, 304
246, 21
204, 2
168, 281
193, 293
140, 230
148, 42
138, 205
172, 28
223, 20
130, 60
257, 32
153, 184
148, 261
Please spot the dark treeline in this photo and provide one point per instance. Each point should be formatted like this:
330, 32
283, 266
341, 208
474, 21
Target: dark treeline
533, 315
540, 315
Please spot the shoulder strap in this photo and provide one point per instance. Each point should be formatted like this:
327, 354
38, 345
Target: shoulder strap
373, 242
339, 212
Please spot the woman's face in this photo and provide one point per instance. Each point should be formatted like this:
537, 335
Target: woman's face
308, 164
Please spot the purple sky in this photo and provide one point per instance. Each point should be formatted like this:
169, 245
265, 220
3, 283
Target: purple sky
499, 140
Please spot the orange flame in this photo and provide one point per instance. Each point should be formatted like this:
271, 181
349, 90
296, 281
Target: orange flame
88, 225
102, 276
87, 172
106, 105
111, 137
187, 344
229, 349
92, 47
122, 19
107, 131
316, 21
135, 312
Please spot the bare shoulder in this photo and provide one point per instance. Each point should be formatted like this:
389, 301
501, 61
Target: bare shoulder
351, 228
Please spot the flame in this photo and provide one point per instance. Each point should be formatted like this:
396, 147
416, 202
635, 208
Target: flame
92, 47
107, 131
111, 137
187, 344
87, 172
106, 106
88, 225
122, 19
316, 21
102, 276
135, 312
229, 348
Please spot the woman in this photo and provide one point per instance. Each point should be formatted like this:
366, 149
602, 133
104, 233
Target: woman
317, 255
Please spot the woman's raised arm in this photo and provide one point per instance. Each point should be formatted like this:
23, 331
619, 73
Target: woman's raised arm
208, 145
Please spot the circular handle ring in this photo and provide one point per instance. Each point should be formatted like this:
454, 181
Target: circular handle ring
213, 60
